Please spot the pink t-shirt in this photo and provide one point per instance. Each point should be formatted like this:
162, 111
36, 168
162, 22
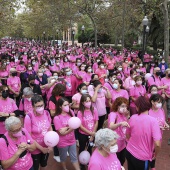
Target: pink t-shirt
115, 117
129, 83
4, 73
122, 93
99, 162
100, 72
143, 131
166, 82
24, 163
88, 120
157, 81
87, 78
38, 126
100, 103
137, 91
60, 122
26, 106
14, 83
159, 115
6, 106
76, 98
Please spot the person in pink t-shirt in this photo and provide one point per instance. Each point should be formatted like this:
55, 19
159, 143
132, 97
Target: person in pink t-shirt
129, 81
7, 107
166, 82
101, 72
89, 119
104, 157
153, 89
67, 142
118, 121
16, 146
87, 77
135, 92
143, 136
14, 83
25, 103
118, 90
38, 123
99, 95
21, 67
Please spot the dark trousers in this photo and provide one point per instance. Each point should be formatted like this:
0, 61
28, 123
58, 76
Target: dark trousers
101, 121
121, 156
83, 142
152, 163
136, 164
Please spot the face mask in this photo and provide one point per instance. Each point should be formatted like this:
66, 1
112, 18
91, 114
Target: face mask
29, 68
29, 99
134, 76
100, 90
120, 69
8, 62
40, 74
102, 67
83, 68
106, 80
87, 104
115, 86
46, 64
152, 64
56, 77
5, 94
90, 70
159, 105
40, 110
154, 92
119, 77
58, 64
68, 73
122, 110
14, 74
18, 134
126, 61
158, 73
83, 91
33, 63
66, 109
139, 82
163, 62
78, 64
65, 60
114, 149
140, 65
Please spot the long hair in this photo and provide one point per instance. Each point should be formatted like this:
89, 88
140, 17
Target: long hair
82, 107
59, 105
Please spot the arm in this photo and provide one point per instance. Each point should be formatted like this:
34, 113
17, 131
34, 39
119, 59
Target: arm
157, 148
74, 105
52, 112
114, 126
31, 147
86, 130
94, 97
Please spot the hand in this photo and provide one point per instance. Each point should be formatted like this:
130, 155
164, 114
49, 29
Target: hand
92, 134
50, 149
63, 130
162, 127
166, 126
165, 87
17, 93
91, 139
153, 156
98, 87
20, 150
105, 88
44, 150
23, 145
124, 124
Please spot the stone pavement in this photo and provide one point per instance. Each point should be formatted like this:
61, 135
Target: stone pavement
162, 162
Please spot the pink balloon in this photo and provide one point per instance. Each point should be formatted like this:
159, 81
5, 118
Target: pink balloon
74, 122
84, 157
51, 138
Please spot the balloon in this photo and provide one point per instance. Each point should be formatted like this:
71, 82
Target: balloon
147, 75
51, 138
74, 122
84, 157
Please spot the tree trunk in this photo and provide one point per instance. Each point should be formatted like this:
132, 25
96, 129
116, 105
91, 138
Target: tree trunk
166, 29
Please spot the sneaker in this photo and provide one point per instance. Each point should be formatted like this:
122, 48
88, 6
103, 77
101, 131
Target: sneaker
67, 154
57, 158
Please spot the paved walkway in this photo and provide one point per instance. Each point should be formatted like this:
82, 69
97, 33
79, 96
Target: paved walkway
162, 162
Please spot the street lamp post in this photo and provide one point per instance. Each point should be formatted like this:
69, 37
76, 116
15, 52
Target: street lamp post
144, 23
82, 28
44, 36
57, 36
73, 33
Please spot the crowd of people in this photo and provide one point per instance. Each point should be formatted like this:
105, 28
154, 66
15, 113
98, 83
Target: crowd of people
122, 100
